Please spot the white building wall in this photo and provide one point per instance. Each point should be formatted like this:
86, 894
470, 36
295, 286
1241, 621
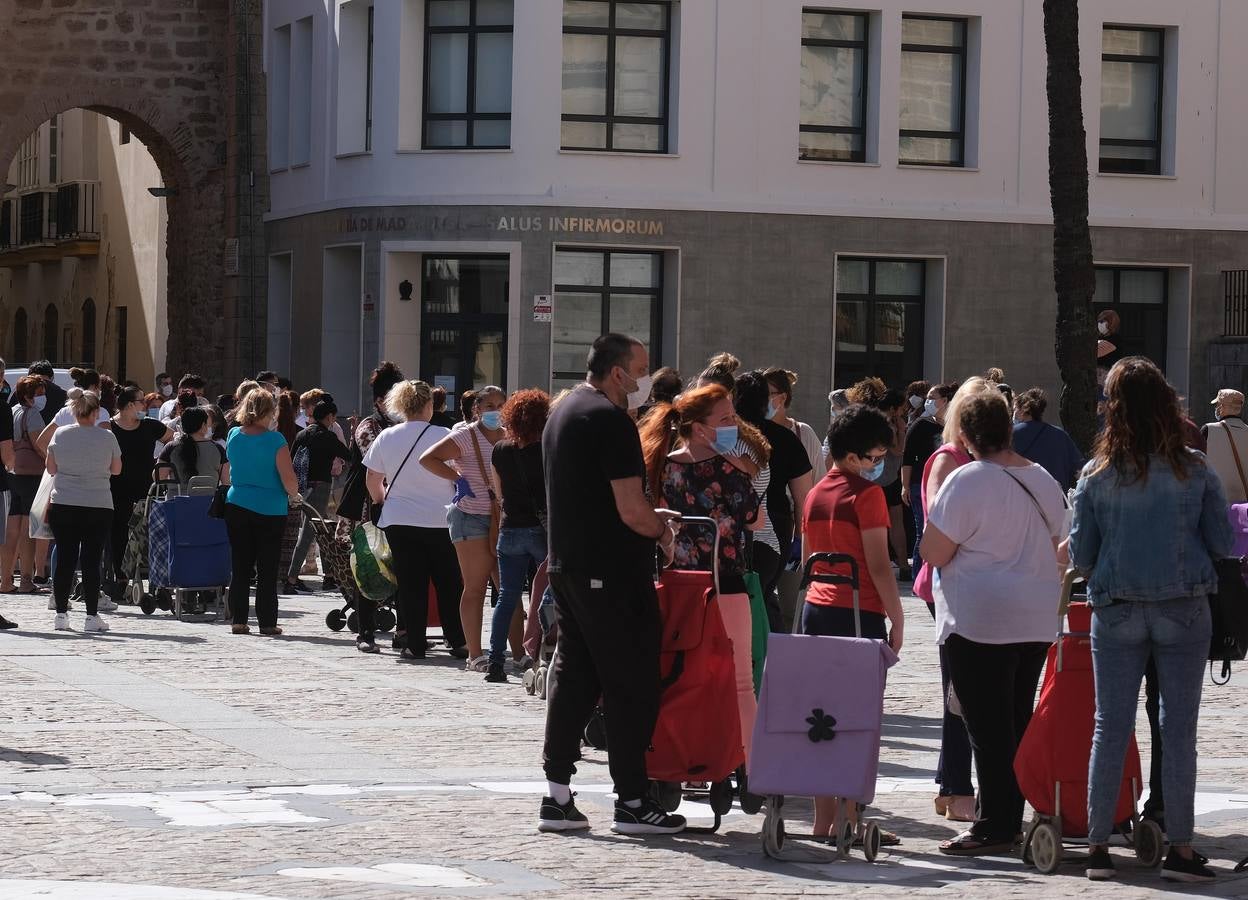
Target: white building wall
735, 126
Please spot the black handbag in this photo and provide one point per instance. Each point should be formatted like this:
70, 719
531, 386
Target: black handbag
1228, 609
216, 509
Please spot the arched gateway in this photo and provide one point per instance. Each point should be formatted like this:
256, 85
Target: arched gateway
181, 75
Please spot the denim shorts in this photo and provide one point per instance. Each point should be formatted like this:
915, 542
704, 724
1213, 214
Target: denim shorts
467, 526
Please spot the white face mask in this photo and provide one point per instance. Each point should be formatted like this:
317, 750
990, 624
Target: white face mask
40, 402
916, 402
1103, 328
166, 390
638, 397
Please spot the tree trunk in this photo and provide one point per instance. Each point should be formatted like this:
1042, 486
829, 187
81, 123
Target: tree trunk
1074, 276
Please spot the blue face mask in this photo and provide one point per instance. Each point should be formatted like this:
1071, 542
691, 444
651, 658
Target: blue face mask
873, 473
929, 409
492, 419
771, 409
725, 439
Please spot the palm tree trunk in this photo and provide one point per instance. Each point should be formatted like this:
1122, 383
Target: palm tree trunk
1074, 276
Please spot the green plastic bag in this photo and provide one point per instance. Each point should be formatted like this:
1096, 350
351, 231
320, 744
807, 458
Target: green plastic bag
372, 563
759, 626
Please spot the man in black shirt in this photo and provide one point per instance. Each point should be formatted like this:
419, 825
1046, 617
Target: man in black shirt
602, 538
55, 394
321, 447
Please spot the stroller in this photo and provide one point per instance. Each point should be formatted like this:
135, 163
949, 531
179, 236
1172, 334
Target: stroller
336, 563
818, 728
1052, 760
698, 734
188, 550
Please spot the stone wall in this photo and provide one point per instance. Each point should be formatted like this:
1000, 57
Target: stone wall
176, 74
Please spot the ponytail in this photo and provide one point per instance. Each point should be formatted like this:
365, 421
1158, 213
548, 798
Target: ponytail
193, 419
659, 430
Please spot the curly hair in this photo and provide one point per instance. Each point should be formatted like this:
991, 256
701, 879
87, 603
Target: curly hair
1142, 420
27, 388
669, 425
524, 415
1032, 402
868, 392
720, 369
384, 377
983, 417
408, 399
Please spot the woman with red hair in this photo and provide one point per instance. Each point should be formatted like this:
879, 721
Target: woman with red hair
692, 466
518, 472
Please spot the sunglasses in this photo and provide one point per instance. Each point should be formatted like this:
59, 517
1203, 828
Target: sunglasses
875, 460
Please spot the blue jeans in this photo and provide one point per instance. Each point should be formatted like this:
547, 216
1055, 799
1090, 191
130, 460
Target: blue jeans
1176, 634
518, 548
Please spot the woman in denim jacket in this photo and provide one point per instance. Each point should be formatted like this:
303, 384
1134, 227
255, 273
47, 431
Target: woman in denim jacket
1150, 518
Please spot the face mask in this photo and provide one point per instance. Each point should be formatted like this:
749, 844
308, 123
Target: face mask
873, 473
638, 397
771, 410
929, 408
492, 419
1102, 327
916, 402
166, 390
153, 413
40, 402
725, 439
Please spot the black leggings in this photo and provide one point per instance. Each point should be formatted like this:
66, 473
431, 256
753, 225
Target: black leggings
80, 532
421, 555
255, 545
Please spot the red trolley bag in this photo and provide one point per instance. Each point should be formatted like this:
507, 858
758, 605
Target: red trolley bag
698, 734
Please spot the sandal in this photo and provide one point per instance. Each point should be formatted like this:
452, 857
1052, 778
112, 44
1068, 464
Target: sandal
970, 844
887, 839
240, 629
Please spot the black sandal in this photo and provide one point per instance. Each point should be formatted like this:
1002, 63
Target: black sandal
970, 844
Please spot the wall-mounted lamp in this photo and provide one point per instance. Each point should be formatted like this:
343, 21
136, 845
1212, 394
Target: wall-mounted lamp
405, 290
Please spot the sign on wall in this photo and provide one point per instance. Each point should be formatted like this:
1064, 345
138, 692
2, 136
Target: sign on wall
543, 309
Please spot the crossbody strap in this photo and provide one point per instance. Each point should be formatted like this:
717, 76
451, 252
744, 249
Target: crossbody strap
485, 476
1039, 508
1235, 451
415, 444
1039, 431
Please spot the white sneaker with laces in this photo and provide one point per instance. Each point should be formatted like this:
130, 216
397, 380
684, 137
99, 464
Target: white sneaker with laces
61, 622
95, 624
106, 604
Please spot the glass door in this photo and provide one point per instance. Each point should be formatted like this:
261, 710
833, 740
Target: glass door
464, 324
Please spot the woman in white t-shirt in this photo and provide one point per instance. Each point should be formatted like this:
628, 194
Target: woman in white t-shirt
992, 533
409, 504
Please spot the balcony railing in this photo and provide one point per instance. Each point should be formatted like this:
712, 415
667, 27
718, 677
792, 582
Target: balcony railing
70, 213
1235, 321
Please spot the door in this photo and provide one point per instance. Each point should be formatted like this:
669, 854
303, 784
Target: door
464, 323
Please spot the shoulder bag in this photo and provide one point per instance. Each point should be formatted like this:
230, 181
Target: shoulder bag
496, 514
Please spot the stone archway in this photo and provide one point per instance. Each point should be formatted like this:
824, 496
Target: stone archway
175, 72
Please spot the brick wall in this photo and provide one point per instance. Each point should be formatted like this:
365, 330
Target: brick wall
174, 72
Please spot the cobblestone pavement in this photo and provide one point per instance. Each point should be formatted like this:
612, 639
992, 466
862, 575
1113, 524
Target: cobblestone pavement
174, 760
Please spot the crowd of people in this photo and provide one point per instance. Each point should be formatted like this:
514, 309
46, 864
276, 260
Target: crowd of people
962, 491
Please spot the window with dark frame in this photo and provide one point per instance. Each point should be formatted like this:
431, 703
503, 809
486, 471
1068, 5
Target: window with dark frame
51, 330
467, 93
368, 87
1132, 69
597, 291
1141, 298
833, 86
616, 72
879, 319
933, 91
6, 223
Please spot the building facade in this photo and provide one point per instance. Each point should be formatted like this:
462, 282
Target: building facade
476, 188
82, 250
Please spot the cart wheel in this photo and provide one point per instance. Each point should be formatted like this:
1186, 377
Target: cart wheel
529, 680
721, 797
871, 842
773, 827
353, 622
542, 683
844, 836
750, 803
1149, 843
668, 794
147, 604
1046, 847
335, 620
164, 599
386, 620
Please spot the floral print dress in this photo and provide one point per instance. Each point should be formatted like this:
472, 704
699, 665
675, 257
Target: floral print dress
717, 489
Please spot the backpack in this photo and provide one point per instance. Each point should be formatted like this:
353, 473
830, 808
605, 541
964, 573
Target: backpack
301, 463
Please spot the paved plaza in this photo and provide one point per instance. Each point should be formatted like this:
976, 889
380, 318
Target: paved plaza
177, 761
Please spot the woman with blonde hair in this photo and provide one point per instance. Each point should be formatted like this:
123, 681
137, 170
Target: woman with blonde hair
690, 449
81, 460
262, 488
409, 503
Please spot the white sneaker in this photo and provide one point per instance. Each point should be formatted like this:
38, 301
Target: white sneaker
61, 622
96, 624
106, 604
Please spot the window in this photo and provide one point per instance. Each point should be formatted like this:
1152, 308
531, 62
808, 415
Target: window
1141, 298
28, 161
51, 325
279, 99
467, 74
1132, 61
67, 210
464, 303
933, 91
21, 331
88, 332
355, 76
6, 223
31, 226
597, 292
301, 77
833, 86
54, 150
616, 58
879, 319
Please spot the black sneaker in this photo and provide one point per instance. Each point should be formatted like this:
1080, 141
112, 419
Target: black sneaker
496, 675
1100, 866
561, 817
649, 818
1190, 871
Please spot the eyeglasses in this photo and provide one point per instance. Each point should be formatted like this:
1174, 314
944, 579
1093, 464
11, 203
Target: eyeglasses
875, 460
